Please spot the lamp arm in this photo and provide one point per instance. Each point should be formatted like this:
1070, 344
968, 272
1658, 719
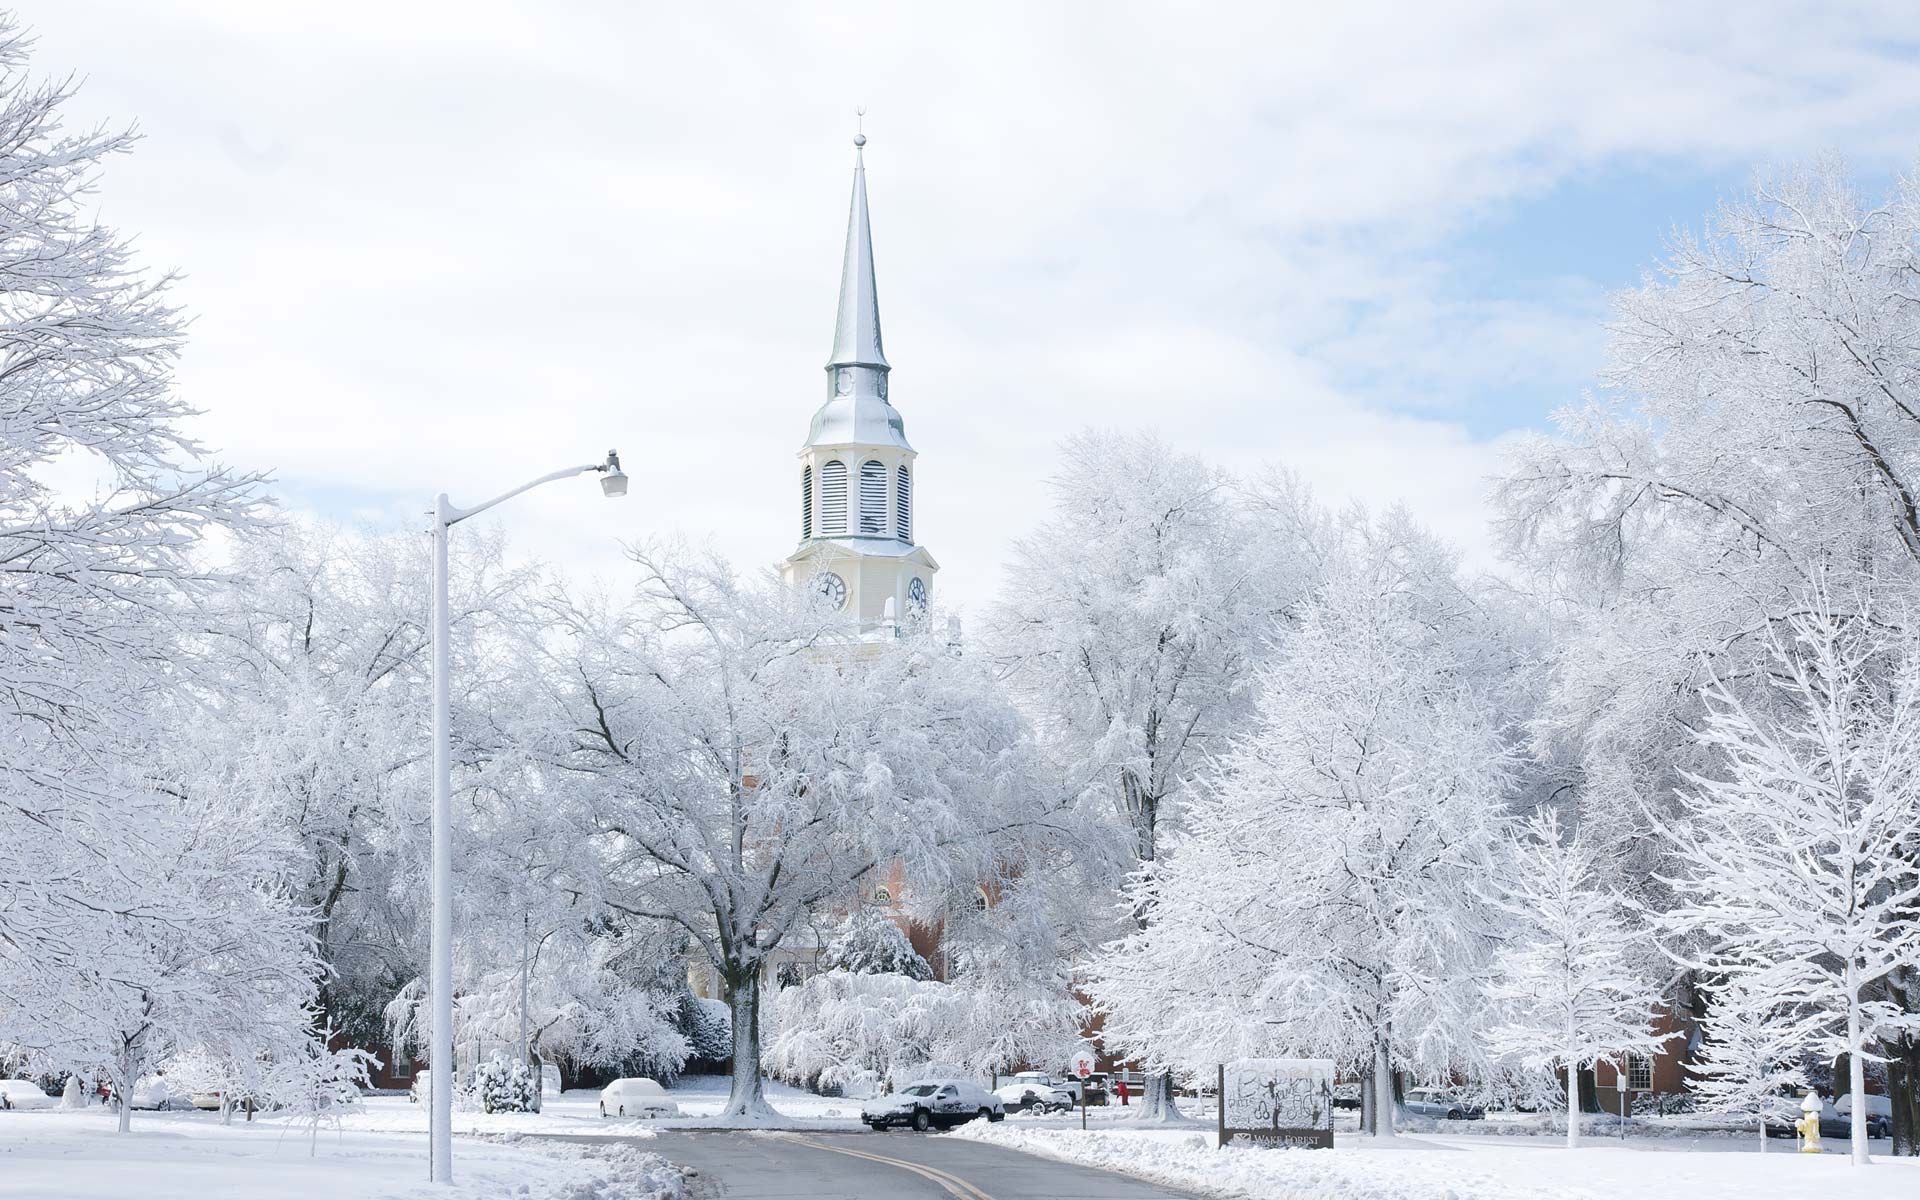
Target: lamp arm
456, 515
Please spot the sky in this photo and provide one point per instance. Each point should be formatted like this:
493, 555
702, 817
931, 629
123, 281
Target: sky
452, 247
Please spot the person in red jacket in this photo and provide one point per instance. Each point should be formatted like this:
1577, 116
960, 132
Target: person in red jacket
1120, 1085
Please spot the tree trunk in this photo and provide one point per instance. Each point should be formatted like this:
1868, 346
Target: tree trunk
746, 1093
1573, 1102
1856, 1069
1157, 1101
1903, 1092
1382, 1088
127, 1066
1902, 1053
1589, 1090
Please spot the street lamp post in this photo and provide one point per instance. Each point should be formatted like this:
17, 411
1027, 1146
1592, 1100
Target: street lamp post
613, 481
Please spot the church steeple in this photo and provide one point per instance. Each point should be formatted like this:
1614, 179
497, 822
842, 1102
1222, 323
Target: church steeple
856, 410
857, 543
856, 334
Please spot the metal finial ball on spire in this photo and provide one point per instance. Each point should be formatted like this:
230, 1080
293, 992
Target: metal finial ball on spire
860, 127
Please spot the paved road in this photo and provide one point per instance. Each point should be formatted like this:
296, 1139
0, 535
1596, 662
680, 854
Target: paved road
890, 1166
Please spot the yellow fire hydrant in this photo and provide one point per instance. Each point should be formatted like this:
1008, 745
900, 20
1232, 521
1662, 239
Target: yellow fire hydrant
1809, 1123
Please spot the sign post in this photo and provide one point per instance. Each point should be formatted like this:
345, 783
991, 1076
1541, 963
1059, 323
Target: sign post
1277, 1102
1085, 1066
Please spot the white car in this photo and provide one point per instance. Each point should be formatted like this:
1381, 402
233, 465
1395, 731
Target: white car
1033, 1095
933, 1104
23, 1094
636, 1098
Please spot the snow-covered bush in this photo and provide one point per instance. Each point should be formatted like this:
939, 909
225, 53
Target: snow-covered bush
502, 1085
871, 943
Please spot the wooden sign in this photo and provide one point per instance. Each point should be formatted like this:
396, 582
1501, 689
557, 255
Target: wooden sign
1277, 1102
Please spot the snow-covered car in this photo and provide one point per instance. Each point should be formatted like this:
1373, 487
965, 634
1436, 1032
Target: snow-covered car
1028, 1096
24, 1094
933, 1104
206, 1101
636, 1098
152, 1092
1879, 1114
1836, 1121
1440, 1103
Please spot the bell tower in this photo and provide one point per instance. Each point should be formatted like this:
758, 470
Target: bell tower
856, 480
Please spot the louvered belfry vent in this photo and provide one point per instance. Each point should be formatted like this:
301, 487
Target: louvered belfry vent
833, 498
903, 525
873, 497
806, 501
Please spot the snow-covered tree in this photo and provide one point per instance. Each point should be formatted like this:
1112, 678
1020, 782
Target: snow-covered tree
198, 949
1757, 431
1752, 1048
1565, 984
1130, 624
1327, 898
1796, 861
871, 943
88, 577
740, 762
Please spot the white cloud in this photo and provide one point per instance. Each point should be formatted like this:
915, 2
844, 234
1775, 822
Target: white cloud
454, 246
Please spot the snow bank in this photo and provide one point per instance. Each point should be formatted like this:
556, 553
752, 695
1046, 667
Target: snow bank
191, 1156
1191, 1162
1460, 1168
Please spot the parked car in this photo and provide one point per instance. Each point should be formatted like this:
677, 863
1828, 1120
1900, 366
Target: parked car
24, 1094
208, 1101
1438, 1102
933, 1104
1030, 1095
1834, 1122
636, 1098
1879, 1114
1346, 1095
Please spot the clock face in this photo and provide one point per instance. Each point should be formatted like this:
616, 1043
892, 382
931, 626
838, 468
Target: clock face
917, 595
832, 587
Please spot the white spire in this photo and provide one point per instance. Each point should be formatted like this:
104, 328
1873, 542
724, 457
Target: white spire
857, 410
856, 333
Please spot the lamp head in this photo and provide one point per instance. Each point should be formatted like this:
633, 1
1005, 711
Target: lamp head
613, 481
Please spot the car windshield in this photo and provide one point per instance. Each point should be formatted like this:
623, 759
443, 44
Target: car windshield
920, 1089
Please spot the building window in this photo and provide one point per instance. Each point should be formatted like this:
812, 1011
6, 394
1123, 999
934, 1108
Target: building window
981, 901
833, 498
806, 501
1639, 1073
402, 1066
882, 896
873, 497
903, 522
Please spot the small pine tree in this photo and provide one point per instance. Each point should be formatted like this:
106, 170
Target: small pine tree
870, 943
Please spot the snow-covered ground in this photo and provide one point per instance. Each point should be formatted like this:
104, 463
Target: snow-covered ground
1457, 1166
191, 1156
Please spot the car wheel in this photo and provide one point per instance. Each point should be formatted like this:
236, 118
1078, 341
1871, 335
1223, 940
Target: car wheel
994, 1116
623, 1110
922, 1120
603, 1112
1453, 1114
